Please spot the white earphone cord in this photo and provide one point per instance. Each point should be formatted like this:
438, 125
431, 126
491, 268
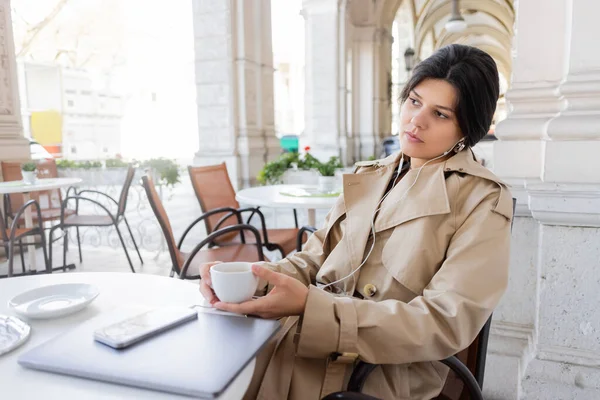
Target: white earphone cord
378, 207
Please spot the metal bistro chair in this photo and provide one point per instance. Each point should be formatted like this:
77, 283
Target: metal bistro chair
109, 219
468, 366
11, 171
215, 192
9, 237
183, 261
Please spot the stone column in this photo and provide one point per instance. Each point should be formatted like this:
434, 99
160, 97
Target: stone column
545, 341
13, 146
372, 80
322, 94
234, 80
566, 362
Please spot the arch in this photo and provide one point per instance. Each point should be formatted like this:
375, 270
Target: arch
449, 37
428, 19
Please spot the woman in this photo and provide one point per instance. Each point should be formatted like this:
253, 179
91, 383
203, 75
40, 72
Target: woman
419, 289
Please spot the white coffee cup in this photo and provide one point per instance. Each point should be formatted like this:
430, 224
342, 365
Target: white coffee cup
233, 282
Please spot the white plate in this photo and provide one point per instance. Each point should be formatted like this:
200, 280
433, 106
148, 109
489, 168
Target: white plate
54, 300
13, 333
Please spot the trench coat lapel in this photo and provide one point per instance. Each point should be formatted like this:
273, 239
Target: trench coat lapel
414, 197
362, 193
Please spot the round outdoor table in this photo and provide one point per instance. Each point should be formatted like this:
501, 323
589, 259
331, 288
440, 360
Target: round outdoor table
271, 196
24, 188
116, 290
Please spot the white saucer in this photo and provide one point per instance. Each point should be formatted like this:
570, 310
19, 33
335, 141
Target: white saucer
54, 300
13, 333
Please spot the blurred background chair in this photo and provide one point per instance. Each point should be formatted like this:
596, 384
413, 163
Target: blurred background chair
182, 262
9, 238
102, 220
215, 192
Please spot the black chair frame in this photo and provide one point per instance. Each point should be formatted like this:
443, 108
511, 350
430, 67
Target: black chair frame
13, 237
238, 212
207, 241
115, 221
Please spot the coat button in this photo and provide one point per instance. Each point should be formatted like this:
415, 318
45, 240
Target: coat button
370, 290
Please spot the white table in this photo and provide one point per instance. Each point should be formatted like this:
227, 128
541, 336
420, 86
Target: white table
26, 188
116, 289
270, 196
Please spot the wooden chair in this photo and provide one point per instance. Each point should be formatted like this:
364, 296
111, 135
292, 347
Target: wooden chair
10, 237
215, 192
464, 382
103, 220
183, 261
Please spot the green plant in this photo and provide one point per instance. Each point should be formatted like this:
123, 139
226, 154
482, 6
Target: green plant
29, 166
167, 170
328, 168
64, 164
115, 163
89, 164
274, 170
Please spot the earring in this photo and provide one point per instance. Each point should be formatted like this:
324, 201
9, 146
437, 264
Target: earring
460, 147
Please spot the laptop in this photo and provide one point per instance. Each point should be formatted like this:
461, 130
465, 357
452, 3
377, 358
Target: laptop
199, 358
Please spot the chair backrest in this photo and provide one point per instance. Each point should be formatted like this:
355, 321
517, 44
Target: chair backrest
163, 220
473, 357
213, 189
11, 171
125, 191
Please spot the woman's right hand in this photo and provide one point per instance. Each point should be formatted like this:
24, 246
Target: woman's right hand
205, 282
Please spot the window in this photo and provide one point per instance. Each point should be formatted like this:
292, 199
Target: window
73, 150
70, 103
105, 149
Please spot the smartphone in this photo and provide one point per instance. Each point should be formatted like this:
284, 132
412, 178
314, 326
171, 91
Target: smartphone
135, 329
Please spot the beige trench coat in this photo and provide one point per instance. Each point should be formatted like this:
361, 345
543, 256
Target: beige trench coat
438, 269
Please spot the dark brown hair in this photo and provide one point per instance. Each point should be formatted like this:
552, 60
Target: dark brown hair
474, 75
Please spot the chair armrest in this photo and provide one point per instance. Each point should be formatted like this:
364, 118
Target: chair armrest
255, 210
78, 198
349, 396
465, 375
74, 188
210, 238
96, 192
205, 215
301, 232
15, 222
363, 369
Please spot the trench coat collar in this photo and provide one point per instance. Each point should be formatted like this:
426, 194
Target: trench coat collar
410, 199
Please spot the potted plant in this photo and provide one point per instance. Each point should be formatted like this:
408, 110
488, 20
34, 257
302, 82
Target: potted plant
328, 180
272, 173
290, 168
28, 170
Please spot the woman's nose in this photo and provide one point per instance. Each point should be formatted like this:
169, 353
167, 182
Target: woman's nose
419, 120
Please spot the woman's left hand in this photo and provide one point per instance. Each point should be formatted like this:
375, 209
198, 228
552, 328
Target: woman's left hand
287, 298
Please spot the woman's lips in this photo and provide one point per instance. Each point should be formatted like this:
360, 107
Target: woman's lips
412, 137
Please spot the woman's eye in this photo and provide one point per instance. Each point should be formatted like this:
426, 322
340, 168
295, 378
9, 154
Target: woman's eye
439, 114
414, 102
